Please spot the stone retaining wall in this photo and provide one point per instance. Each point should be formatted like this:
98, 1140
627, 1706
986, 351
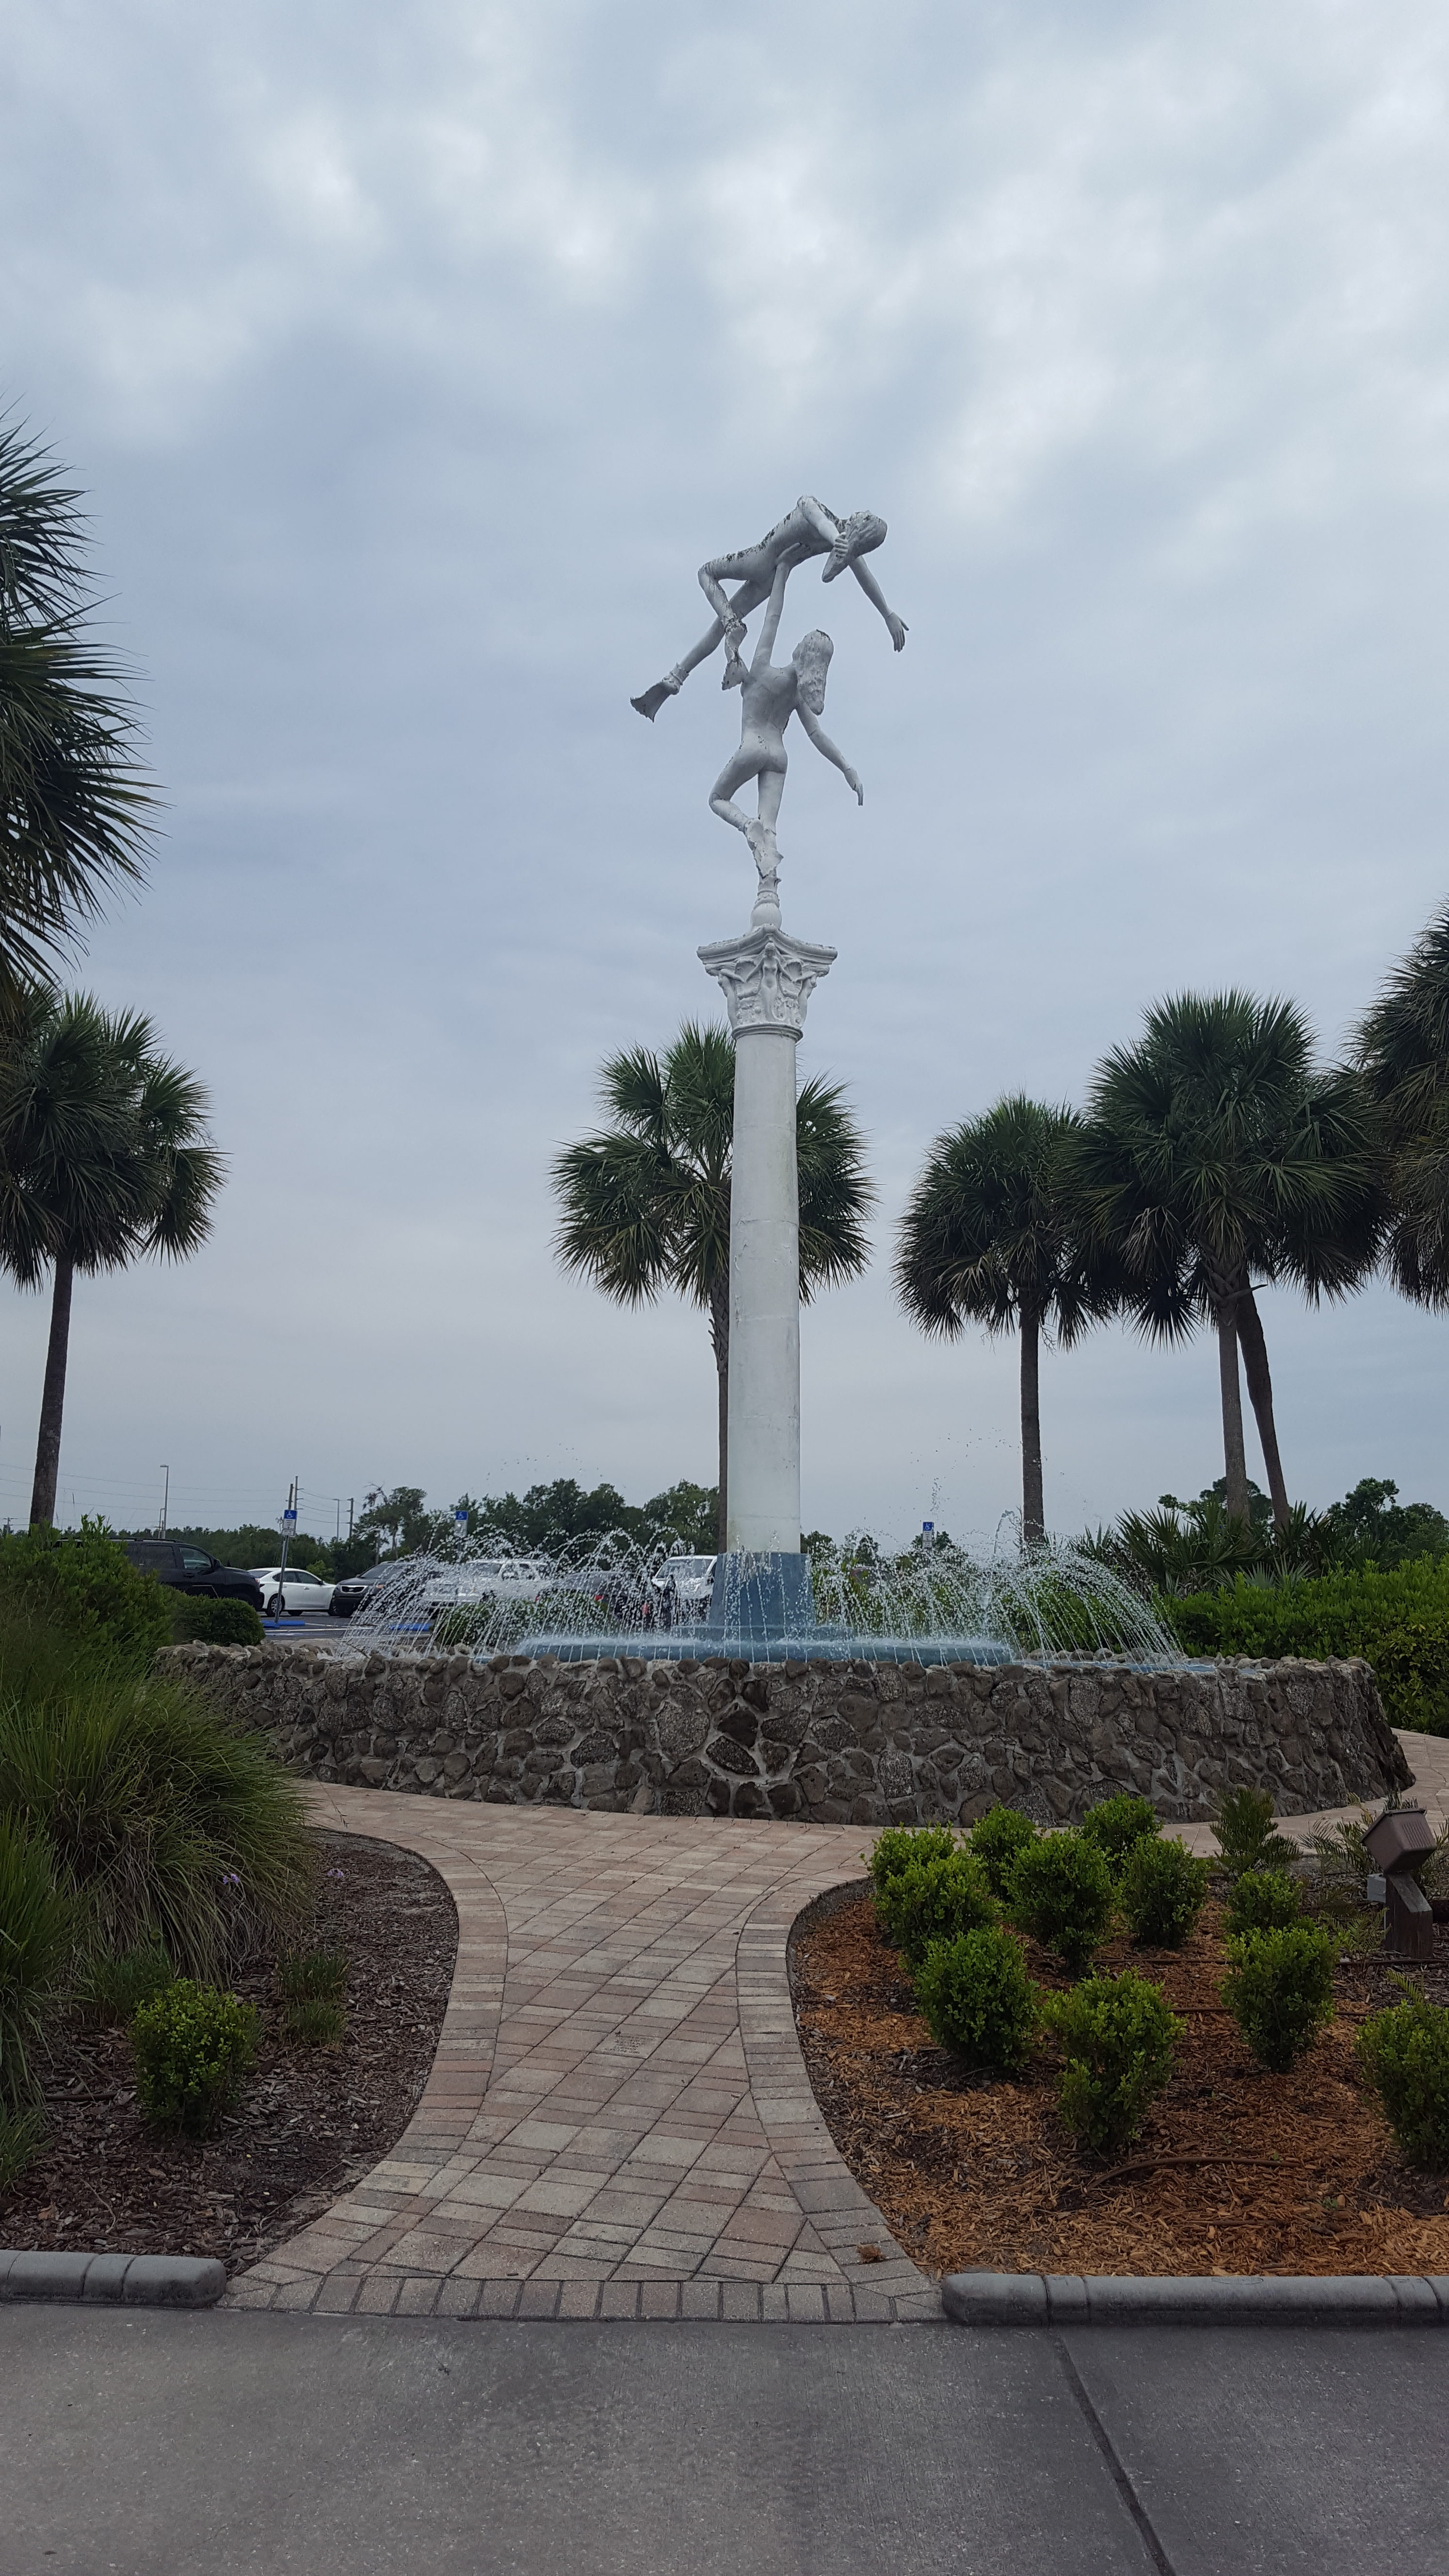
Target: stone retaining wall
864, 1744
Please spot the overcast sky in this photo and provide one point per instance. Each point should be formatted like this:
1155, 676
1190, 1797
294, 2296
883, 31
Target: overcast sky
413, 358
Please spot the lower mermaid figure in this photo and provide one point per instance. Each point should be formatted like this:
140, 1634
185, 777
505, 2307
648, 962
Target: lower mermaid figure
773, 693
810, 529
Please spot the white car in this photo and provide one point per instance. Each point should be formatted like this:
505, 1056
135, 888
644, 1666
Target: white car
490, 1578
291, 1593
685, 1585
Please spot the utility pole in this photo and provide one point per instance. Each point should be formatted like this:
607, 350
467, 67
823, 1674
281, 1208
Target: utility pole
289, 1532
350, 1500
165, 1500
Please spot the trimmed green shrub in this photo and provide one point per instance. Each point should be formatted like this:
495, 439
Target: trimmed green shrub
1162, 1891
1279, 1990
998, 1840
204, 1622
1243, 1826
975, 1996
83, 1582
933, 1900
192, 2047
35, 1934
1403, 2056
902, 1846
1060, 1891
1117, 1825
1118, 2037
167, 1825
1264, 1900
113, 1988
1398, 1619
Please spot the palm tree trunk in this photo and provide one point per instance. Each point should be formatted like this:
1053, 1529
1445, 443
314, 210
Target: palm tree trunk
1260, 1392
719, 1333
1033, 1511
52, 1401
1235, 1461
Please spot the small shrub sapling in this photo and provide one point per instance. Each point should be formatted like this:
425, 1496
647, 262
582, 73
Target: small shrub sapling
975, 1997
1061, 1893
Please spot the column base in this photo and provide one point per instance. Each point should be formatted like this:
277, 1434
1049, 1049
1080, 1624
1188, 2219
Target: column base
760, 1597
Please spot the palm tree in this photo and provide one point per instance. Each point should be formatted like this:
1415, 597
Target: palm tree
74, 804
1216, 1149
1402, 1048
988, 1237
104, 1157
645, 1204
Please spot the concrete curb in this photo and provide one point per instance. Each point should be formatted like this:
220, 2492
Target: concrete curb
122, 2280
1063, 2299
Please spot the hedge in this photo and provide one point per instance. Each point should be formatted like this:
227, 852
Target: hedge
1399, 1621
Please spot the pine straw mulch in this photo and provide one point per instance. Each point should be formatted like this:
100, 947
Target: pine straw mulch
1234, 2170
309, 2120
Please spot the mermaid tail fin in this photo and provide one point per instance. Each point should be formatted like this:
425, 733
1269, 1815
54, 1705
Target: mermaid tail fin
653, 699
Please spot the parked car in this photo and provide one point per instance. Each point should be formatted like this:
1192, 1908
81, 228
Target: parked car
291, 1593
684, 1587
489, 1578
189, 1569
349, 1595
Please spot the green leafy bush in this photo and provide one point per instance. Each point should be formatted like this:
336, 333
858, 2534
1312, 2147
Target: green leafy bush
1117, 1825
1398, 1619
22, 2135
998, 1840
167, 1826
1060, 1892
1243, 1825
112, 1988
35, 1933
902, 1846
1403, 2056
975, 1996
1118, 2036
192, 2047
933, 1900
1264, 1900
1162, 1891
204, 1622
1279, 1990
82, 1582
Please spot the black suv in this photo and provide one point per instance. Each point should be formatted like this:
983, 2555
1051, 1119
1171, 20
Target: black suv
190, 1569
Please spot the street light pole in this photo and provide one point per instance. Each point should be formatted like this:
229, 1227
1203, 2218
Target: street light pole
165, 1498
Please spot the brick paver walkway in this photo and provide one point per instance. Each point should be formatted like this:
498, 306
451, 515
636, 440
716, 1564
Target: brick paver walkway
618, 2121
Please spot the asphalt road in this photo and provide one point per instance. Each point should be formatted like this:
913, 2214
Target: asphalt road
156, 2444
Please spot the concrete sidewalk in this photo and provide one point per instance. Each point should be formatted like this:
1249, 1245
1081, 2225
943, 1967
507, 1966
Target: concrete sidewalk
165, 2445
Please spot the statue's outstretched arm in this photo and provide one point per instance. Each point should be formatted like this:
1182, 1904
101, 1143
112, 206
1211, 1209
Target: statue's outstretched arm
823, 743
871, 587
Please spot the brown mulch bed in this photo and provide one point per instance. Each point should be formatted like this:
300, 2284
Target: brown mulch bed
310, 2121
1234, 2170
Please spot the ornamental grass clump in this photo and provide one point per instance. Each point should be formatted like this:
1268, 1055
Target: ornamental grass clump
975, 1997
1118, 2038
1403, 2057
934, 1900
313, 1984
1117, 1825
1243, 1825
998, 1840
902, 1846
35, 1935
192, 2047
1279, 1990
1060, 1891
1162, 1891
1264, 1900
113, 1988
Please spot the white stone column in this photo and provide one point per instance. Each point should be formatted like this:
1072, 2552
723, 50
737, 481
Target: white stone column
767, 979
